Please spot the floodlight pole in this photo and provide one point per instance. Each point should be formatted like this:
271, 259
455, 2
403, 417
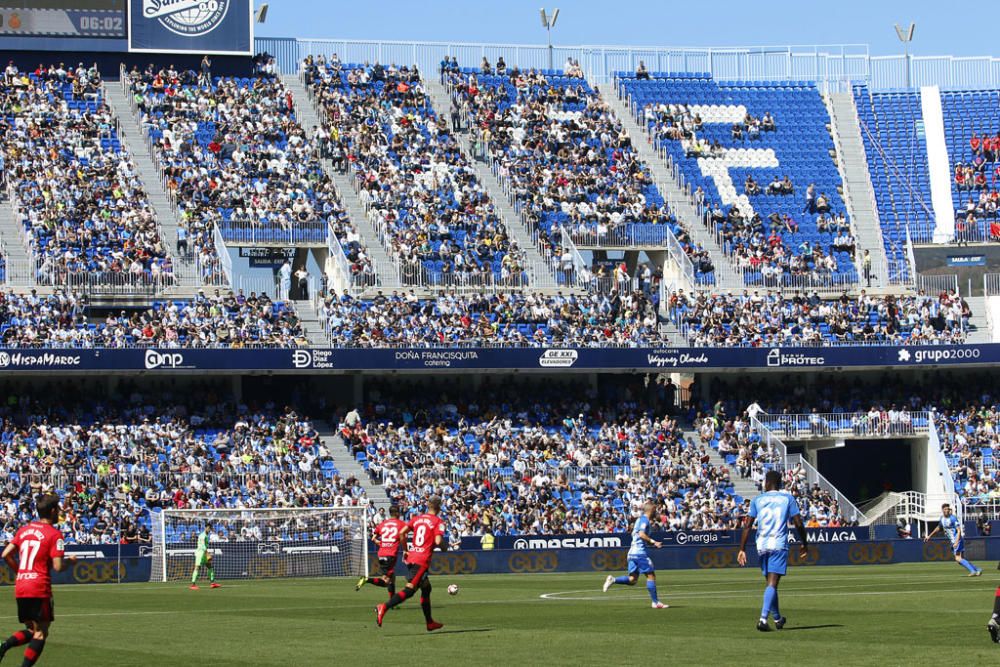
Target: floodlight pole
549, 22
906, 36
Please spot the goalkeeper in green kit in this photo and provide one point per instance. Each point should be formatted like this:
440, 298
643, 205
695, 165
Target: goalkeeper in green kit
203, 556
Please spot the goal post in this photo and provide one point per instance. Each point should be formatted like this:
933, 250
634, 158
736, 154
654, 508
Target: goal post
262, 543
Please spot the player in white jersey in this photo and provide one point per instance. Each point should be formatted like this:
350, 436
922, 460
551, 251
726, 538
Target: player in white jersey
772, 510
639, 561
952, 528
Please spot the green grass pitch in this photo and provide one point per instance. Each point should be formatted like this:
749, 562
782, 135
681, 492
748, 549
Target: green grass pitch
873, 615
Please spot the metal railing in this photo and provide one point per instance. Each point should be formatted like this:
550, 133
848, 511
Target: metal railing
624, 236
938, 284
238, 232
830, 65
820, 425
948, 481
788, 461
991, 284
348, 280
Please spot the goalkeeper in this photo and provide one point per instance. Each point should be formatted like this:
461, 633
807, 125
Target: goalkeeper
203, 556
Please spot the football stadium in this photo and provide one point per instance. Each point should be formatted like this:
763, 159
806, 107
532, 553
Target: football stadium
393, 351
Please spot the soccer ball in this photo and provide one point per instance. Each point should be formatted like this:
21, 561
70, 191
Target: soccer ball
453, 589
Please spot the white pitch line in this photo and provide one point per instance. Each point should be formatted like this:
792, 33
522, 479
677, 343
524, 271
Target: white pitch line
795, 593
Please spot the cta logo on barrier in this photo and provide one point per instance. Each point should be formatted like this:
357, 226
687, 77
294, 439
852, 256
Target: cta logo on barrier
871, 553
541, 561
605, 560
189, 26
454, 563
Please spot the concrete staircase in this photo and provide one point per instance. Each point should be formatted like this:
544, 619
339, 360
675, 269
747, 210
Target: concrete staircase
743, 487
184, 268
311, 324
979, 324
347, 465
726, 277
541, 275
17, 271
305, 113
859, 196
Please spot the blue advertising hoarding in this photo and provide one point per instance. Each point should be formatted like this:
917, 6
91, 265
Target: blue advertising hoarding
130, 563
515, 359
223, 27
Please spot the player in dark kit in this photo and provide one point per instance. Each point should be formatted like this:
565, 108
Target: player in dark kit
428, 533
387, 537
39, 546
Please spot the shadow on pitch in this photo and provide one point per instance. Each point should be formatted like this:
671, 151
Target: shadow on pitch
812, 627
456, 632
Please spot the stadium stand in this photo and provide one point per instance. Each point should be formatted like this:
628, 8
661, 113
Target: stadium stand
233, 155
216, 321
776, 318
567, 162
897, 162
422, 194
513, 461
84, 214
972, 135
516, 320
791, 231
115, 464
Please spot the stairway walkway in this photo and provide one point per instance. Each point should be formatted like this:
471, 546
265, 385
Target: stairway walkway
17, 271
725, 277
135, 143
306, 114
979, 324
541, 275
859, 196
743, 487
311, 324
347, 465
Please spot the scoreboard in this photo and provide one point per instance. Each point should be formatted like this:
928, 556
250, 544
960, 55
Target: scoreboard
102, 19
222, 27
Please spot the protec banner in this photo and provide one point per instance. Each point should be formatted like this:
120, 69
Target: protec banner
222, 27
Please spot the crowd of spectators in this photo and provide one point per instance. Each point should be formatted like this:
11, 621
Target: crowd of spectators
567, 159
538, 459
759, 229
219, 320
84, 211
970, 438
114, 463
234, 155
422, 193
777, 318
627, 319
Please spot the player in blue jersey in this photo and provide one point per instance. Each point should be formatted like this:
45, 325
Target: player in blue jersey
772, 510
952, 528
639, 561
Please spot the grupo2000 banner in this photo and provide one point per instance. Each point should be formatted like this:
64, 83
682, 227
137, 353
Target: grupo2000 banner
524, 359
222, 27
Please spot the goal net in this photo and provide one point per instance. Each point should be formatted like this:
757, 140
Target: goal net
262, 543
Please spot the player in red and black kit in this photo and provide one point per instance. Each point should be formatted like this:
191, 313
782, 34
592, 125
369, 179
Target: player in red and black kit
428, 533
39, 546
387, 537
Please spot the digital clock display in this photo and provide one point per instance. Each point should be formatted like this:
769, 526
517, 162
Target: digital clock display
63, 18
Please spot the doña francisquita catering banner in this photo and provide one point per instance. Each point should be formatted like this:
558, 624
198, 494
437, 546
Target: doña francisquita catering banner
223, 27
